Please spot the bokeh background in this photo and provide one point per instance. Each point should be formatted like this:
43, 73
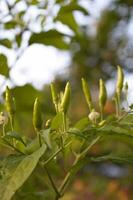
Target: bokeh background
61, 40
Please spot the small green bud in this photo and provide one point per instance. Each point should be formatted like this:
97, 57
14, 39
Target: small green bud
87, 94
54, 93
102, 93
120, 80
9, 102
66, 98
37, 115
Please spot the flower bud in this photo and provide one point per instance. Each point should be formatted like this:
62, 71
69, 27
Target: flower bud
120, 80
66, 98
37, 115
3, 118
93, 116
10, 102
54, 93
102, 93
87, 94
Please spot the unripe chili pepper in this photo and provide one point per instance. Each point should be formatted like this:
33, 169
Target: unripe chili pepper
120, 80
102, 96
10, 102
87, 94
66, 98
102, 93
54, 93
37, 115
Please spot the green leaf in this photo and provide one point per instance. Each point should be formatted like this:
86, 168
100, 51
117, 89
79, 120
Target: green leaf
18, 38
82, 123
51, 37
117, 133
45, 134
57, 121
4, 70
73, 6
6, 42
76, 132
69, 20
14, 179
12, 134
10, 25
127, 119
33, 146
128, 158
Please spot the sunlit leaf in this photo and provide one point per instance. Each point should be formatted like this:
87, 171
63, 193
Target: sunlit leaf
57, 121
4, 70
19, 172
51, 37
6, 42
45, 134
69, 20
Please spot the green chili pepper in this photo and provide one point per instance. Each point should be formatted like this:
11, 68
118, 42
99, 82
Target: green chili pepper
102, 96
54, 94
87, 94
37, 115
66, 98
120, 80
10, 102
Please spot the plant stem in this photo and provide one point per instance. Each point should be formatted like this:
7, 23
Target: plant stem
53, 155
39, 138
53, 185
79, 157
4, 133
12, 122
117, 106
64, 122
101, 112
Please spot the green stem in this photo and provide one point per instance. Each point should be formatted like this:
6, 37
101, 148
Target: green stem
53, 184
12, 122
101, 112
4, 132
64, 122
79, 157
117, 106
39, 138
53, 155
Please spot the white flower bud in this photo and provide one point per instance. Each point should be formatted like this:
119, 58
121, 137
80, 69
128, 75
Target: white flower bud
3, 118
93, 116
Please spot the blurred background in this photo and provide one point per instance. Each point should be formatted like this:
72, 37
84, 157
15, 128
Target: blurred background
61, 40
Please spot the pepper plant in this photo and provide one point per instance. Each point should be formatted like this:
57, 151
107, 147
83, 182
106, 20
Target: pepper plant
59, 142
